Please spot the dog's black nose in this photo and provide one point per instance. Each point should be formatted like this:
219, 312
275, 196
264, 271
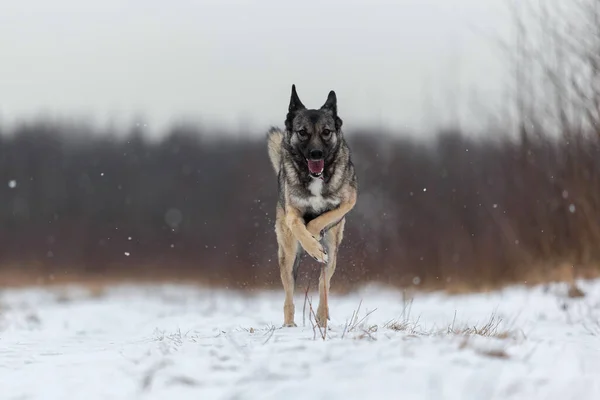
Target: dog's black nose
316, 154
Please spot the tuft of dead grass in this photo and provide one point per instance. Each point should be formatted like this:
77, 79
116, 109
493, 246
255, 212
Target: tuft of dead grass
488, 329
499, 353
491, 328
575, 292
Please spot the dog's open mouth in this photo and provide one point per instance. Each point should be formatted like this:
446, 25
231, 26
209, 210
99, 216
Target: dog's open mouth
315, 167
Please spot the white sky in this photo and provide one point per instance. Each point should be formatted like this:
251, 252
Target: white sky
403, 63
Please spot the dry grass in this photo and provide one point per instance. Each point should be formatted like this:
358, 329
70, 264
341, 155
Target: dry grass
15, 276
354, 323
97, 284
499, 353
575, 292
491, 328
400, 326
488, 329
312, 318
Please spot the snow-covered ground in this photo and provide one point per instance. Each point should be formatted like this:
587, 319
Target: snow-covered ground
180, 342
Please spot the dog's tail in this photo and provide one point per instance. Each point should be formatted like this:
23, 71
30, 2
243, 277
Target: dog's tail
275, 141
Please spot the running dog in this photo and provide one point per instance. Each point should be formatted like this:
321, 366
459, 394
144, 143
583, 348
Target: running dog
317, 187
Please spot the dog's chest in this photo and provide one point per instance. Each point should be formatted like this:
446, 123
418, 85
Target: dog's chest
314, 200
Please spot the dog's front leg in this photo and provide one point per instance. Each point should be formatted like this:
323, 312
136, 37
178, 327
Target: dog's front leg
287, 256
333, 238
319, 224
296, 224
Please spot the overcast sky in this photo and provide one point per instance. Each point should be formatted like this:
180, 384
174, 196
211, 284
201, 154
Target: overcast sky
403, 63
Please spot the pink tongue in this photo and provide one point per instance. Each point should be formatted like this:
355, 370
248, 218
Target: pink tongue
316, 167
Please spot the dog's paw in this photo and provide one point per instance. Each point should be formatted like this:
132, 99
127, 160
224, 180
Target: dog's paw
316, 251
289, 325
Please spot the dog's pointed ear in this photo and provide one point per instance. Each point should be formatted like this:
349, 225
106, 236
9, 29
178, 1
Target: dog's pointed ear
331, 105
295, 103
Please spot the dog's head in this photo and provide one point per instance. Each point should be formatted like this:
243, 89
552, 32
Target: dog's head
314, 136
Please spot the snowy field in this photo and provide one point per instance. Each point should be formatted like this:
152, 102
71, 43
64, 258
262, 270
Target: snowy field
180, 342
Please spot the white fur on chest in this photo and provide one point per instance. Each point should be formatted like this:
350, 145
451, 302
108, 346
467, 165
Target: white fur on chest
316, 201
316, 187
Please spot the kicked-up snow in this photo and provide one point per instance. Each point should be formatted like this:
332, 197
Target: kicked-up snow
183, 342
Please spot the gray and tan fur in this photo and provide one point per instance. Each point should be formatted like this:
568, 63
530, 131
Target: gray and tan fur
317, 188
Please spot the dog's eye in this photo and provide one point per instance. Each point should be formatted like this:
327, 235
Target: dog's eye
302, 133
326, 133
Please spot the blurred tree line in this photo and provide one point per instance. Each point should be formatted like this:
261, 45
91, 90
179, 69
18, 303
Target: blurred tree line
457, 211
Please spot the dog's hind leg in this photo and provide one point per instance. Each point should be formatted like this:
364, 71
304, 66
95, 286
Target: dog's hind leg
288, 249
333, 238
